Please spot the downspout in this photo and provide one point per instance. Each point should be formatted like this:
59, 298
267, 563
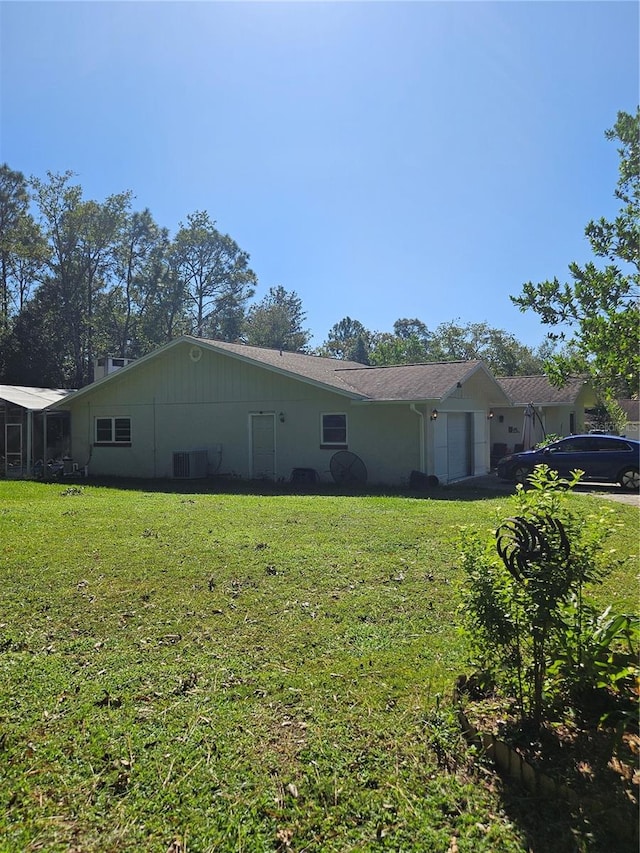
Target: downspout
421, 433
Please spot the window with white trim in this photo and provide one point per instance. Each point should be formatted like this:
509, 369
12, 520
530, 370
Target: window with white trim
334, 430
113, 431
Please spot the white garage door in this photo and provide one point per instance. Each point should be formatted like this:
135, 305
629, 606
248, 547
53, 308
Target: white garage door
459, 454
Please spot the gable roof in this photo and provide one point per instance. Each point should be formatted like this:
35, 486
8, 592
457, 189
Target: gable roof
413, 382
33, 399
401, 382
313, 368
523, 390
398, 383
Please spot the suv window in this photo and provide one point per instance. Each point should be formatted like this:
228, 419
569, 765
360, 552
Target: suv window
574, 445
613, 444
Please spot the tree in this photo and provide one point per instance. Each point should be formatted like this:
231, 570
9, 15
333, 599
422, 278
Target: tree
14, 202
142, 308
215, 276
360, 352
26, 262
165, 316
412, 328
393, 349
277, 322
91, 277
82, 236
409, 344
413, 343
36, 351
22, 247
500, 350
348, 340
600, 306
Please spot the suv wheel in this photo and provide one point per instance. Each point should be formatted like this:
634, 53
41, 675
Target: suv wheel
629, 479
521, 473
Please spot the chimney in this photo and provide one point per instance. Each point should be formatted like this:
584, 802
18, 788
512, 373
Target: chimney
106, 364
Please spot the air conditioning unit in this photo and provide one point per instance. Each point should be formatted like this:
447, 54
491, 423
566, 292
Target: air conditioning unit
190, 464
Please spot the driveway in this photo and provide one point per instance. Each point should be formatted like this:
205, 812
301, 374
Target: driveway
601, 490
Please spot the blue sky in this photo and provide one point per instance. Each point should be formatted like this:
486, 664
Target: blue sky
382, 159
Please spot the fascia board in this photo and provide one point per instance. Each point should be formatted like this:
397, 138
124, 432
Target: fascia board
420, 401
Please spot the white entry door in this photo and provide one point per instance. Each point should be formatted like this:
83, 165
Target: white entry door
263, 447
459, 430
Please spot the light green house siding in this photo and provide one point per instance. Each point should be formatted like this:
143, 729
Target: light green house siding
227, 409
177, 404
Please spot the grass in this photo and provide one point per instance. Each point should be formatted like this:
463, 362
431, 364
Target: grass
243, 672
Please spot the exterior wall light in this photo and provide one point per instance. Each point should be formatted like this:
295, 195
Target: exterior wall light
434, 415
281, 417
490, 415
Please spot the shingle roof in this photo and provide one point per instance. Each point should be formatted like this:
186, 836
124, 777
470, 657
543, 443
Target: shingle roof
631, 408
34, 399
401, 383
428, 381
311, 367
407, 382
522, 390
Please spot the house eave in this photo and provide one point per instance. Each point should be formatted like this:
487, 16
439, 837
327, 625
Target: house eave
397, 401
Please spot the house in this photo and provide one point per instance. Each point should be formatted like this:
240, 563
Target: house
26, 433
197, 407
631, 409
537, 409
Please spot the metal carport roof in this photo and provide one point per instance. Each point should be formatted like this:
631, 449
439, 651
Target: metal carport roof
32, 399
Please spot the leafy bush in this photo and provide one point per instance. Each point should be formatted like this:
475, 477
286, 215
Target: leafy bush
525, 614
548, 439
596, 657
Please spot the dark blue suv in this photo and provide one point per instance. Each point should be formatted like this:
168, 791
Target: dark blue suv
604, 458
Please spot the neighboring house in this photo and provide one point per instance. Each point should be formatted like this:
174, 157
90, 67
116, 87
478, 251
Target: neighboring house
537, 409
197, 408
631, 409
26, 433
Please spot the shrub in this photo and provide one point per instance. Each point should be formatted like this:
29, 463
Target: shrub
595, 660
525, 613
548, 439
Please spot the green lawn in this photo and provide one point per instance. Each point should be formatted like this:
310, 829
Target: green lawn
236, 672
